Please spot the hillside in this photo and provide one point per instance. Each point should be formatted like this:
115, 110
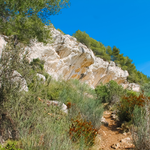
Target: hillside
66, 58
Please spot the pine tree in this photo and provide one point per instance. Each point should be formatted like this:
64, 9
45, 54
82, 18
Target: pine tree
26, 19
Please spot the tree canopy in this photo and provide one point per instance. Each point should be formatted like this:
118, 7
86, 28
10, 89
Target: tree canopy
26, 19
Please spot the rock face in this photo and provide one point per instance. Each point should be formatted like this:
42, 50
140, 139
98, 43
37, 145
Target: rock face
66, 58
132, 86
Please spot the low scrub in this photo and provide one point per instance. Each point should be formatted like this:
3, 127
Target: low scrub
127, 105
82, 130
141, 128
109, 93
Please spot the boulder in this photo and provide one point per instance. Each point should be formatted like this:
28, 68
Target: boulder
56, 103
17, 78
41, 77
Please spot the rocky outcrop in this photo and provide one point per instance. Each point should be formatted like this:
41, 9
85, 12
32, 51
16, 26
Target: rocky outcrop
66, 58
132, 86
41, 77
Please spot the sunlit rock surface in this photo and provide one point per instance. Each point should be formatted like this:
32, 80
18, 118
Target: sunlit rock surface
66, 58
17, 78
2, 44
132, 86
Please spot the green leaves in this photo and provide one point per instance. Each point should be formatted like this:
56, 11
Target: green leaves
21, 18
109, 93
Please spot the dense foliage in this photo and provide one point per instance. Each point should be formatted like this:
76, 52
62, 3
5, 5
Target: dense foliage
146, 88
110, 92
112, 54
26, 20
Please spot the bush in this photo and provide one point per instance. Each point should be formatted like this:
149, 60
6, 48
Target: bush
146, 89
109, 93
127, 104
37, 65
82, 130
83, 100
141, 130
10, 145
39, 126
102, 93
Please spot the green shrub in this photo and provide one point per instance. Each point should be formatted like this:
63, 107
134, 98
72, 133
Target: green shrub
10, 145
146, 89
37, 64
102, 93
83, 100
35, 121
141, 129
61, 31
110, 92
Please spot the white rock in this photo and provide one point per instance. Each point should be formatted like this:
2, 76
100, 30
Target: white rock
2, 44
103, 121
126, 140
41, 76
132, 86
63, 106
17, 78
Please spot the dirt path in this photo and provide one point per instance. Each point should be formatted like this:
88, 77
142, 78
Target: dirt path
111, 136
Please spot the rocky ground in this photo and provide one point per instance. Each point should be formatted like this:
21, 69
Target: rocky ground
111, 136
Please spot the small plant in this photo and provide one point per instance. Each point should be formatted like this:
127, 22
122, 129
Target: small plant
81, 129
10, 145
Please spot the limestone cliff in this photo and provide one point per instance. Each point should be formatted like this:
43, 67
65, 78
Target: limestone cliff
66, 58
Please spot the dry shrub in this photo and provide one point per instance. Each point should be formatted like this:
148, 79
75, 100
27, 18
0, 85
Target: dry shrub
81, 129
127, 104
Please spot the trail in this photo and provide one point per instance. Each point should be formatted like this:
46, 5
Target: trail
112, 136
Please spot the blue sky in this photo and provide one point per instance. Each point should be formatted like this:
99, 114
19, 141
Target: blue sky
121, 23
